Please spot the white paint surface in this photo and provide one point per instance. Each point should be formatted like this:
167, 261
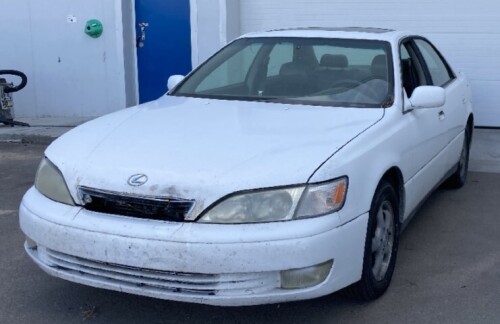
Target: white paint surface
206, 33
241, 148
70, 73
214, 23
230, 257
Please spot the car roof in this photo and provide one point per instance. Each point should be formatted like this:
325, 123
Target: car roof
334, 32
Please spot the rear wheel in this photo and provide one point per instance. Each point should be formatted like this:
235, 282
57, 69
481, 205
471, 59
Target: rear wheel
381, 245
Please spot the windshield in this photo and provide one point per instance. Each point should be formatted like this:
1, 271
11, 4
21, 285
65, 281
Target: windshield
332, 72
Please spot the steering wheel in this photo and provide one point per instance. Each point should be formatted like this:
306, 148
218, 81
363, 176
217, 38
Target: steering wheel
338, 86
347, 84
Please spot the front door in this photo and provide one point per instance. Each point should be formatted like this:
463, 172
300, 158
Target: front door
427, 130
163, 44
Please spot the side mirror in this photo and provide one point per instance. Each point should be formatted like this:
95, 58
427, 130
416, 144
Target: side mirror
427, 97
174, 80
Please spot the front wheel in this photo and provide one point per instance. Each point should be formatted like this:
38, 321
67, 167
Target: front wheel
381, 245
457, 179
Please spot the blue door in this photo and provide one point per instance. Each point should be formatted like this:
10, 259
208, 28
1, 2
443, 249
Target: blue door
163, 44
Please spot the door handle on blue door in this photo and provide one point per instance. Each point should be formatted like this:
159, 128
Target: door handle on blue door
142, 38
441, 115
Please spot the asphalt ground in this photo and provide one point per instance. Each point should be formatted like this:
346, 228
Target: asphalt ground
448, 269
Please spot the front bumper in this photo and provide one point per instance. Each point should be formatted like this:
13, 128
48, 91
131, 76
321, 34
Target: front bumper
204, 263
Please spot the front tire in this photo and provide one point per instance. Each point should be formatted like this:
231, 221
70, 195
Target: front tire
458, 179
381, 245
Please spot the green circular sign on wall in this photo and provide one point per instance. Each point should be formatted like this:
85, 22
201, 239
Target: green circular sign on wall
93, 28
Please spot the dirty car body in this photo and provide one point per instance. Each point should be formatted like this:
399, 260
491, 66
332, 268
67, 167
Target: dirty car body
283, 168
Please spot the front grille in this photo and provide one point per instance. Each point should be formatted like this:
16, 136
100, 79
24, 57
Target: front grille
174, 282
158, 208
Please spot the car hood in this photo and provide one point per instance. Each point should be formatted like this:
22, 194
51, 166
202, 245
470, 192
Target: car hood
204, 149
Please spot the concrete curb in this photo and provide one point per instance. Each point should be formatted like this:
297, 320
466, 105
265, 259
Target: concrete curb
27, 139
43, 130
32, 135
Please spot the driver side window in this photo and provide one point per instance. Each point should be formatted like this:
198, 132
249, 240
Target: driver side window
411, 70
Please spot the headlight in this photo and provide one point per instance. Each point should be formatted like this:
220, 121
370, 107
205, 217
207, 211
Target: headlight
256, 207
323, 198
50, 182
279, 204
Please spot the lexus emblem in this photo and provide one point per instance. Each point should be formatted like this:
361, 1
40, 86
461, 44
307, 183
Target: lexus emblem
137, 180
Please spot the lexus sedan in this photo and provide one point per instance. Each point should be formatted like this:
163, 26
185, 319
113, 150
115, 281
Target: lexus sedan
285, 167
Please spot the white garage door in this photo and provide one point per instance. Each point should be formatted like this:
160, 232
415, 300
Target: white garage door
467, 32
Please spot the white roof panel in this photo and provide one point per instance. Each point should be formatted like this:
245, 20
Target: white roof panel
322, 32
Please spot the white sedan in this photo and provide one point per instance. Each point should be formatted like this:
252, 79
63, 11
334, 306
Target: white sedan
283, 168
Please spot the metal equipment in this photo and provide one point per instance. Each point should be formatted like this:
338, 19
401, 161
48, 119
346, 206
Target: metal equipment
6, 99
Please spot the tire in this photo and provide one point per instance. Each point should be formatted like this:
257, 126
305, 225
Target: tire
459, 177
381, 245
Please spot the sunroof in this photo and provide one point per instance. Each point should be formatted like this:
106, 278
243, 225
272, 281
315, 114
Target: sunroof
345, 29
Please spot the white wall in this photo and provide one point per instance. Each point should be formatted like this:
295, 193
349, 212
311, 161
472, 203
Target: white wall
130, 52
213, 24
70, 73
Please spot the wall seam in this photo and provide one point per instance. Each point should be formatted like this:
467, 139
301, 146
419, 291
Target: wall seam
194, 32
33, 62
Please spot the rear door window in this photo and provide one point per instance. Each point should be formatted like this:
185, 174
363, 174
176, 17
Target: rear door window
438, 68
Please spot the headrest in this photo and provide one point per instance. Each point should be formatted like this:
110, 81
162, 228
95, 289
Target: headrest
292, 68
334, 61
379, 65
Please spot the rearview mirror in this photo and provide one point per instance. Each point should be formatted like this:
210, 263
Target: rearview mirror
427, 97
174, 80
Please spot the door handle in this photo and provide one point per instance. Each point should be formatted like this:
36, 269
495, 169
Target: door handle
441, 115
142, 38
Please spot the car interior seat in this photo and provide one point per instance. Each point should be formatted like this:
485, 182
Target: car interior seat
333, 68
379, 67
410, 81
